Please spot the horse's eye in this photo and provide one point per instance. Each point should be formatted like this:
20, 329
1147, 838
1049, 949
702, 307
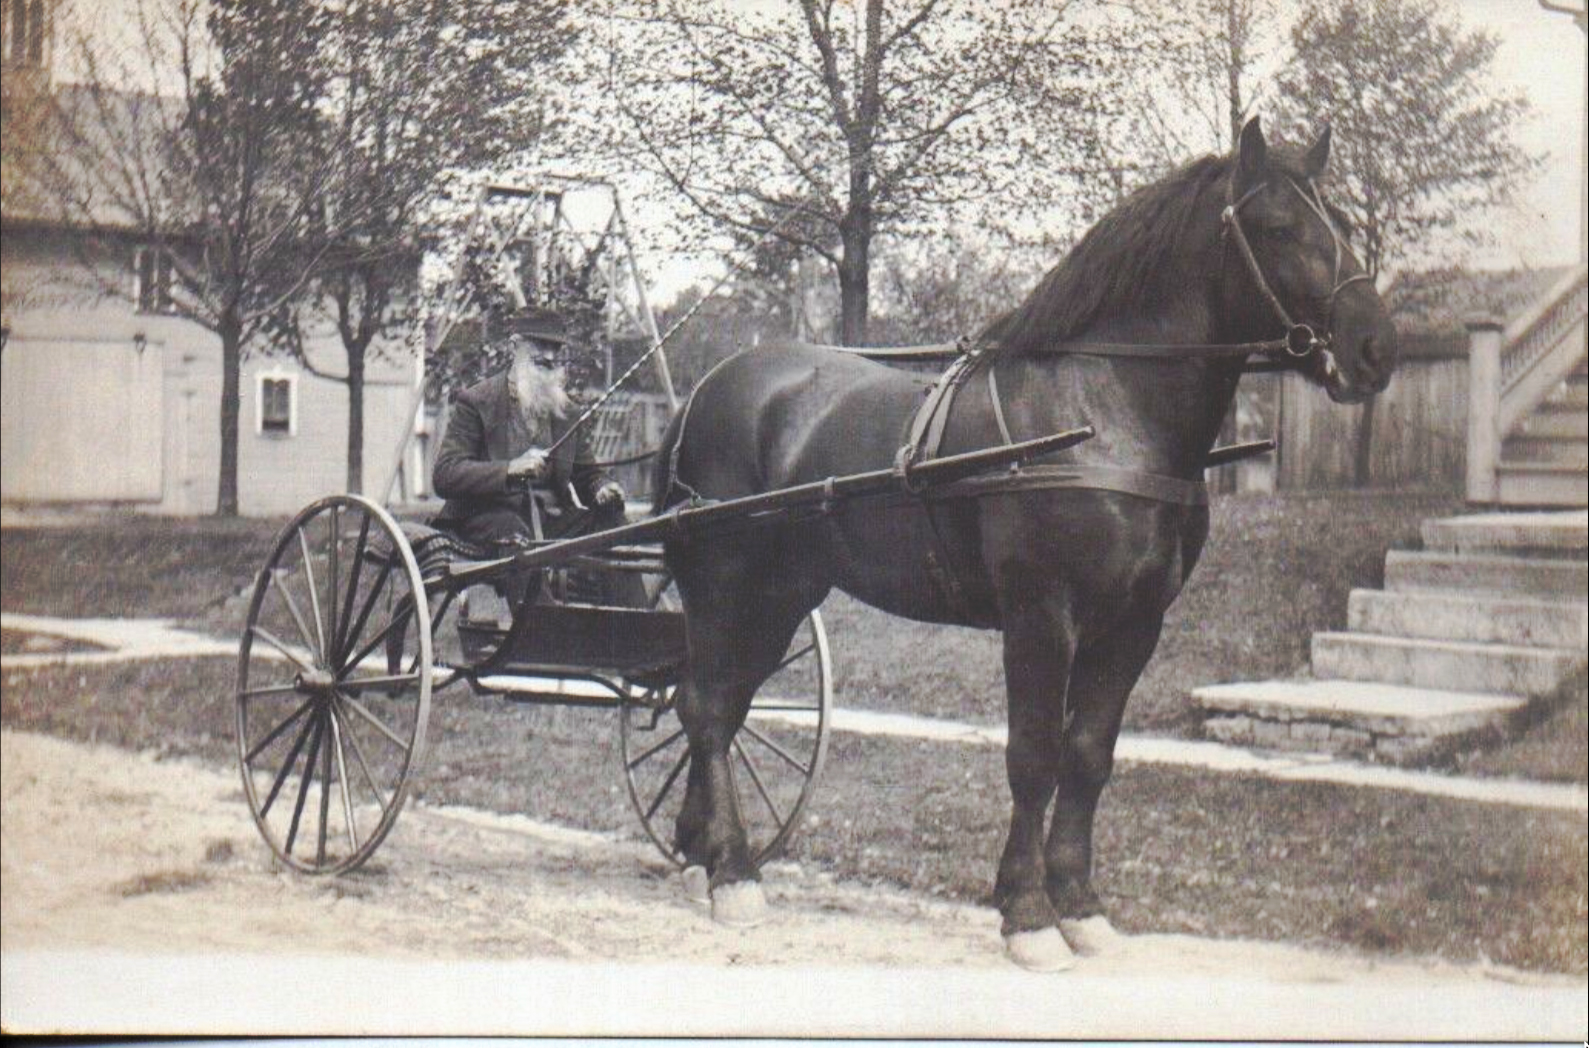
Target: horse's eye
1282, 234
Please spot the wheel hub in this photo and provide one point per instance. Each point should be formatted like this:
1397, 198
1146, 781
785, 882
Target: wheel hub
316, 680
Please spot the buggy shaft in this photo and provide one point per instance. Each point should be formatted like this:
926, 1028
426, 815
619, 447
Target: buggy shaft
686, 518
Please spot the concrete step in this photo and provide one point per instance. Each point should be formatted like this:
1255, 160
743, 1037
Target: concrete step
1408, 570
1550, 421
1349, 716
1558, 451
1465, 617
1503, 669
1562, 533
1528, 484
1570, 394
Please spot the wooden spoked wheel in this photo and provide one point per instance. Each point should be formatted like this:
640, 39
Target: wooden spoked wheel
774, 760
333, 685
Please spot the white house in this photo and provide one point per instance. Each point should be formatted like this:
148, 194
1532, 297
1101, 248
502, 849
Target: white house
110, 398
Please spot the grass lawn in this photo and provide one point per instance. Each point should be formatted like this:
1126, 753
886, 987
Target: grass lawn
1178, 850
1275, 570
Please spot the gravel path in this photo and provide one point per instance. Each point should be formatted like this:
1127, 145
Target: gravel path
137, 899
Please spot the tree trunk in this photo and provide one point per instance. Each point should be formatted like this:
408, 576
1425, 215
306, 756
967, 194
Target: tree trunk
855, 287
231, 334
1236, 35
356, 420
1363, 446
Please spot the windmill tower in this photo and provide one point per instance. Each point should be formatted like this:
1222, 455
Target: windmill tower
536, 237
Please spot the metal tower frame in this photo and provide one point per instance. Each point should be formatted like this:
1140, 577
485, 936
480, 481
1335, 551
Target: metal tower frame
551, 241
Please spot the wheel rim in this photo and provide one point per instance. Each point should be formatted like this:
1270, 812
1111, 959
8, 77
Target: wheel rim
775, 760
333, 685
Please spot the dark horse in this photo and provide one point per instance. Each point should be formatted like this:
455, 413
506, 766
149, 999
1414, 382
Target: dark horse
1079, 578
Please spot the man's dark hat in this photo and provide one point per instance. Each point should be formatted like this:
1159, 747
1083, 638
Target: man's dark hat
541, 326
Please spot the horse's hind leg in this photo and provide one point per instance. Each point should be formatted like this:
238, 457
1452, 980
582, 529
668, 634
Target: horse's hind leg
741, 615
1102, 677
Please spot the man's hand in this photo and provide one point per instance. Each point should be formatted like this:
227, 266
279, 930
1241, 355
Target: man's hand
609, 493
532, 465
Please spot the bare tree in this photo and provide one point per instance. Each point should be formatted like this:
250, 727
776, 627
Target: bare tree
865, 117
200, 143
1425, 141
415, 89
1194, 85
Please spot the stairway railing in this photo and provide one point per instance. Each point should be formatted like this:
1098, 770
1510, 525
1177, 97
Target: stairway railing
1511, 368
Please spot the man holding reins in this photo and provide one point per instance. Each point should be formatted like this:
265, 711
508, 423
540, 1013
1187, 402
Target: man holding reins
503, 490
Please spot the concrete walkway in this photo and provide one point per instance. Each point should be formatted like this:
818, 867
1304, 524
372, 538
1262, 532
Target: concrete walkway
99, 992
158, 638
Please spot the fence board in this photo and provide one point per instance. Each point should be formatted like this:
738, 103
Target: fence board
1419, 441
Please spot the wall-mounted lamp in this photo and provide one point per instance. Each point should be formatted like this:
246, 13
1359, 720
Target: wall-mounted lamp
140, 342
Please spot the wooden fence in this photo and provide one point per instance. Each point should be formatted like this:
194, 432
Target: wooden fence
1419, 428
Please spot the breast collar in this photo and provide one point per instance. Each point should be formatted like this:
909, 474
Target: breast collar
931, 420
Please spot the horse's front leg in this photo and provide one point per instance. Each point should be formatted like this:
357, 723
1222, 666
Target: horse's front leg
1102, 676
1038, 648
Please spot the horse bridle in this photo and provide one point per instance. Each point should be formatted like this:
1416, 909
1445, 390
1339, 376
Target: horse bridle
1301, 340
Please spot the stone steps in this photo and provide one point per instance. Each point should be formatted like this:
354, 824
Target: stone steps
1465, 636
1485, 573
1449, 665
1549, 450
1551, 420
1540, 484
1349, 717
1468, 617
1564, 533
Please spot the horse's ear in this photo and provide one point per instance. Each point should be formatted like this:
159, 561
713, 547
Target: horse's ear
1318, 157
1252, 153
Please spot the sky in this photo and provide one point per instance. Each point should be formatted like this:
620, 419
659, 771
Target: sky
1541, 54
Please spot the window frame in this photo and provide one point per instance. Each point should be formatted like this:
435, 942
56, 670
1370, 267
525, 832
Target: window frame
291, 380
25, 27
161, 300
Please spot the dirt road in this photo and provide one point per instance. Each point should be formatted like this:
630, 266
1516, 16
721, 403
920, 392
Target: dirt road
136, 898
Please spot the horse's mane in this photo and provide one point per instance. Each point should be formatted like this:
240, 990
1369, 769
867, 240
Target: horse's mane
1127, 262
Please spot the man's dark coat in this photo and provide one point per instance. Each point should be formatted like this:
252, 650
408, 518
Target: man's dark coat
471, 470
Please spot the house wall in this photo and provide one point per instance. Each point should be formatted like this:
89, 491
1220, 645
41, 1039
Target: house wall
86, 417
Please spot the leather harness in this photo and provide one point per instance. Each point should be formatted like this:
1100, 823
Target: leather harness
931, 419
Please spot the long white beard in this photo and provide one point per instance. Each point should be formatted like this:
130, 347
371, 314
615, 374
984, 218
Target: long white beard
540, 390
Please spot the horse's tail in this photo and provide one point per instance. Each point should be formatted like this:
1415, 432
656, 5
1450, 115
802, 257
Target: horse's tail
664, 477
666, 462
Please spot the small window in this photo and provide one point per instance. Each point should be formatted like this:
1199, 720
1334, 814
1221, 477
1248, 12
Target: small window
277, 409
25, 28
152, 267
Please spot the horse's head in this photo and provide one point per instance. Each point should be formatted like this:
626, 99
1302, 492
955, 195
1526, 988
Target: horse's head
1289, 267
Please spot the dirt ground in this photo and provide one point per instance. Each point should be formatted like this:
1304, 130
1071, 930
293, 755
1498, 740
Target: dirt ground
113, 862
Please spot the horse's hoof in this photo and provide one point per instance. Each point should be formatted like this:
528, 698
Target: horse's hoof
741, 904
1091, 936
697, 885
1044, 950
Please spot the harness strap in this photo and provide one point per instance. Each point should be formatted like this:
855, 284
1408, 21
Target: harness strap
926, 432
998, 409
1156, 486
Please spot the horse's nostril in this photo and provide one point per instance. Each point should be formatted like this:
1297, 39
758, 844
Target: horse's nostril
1370, 353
